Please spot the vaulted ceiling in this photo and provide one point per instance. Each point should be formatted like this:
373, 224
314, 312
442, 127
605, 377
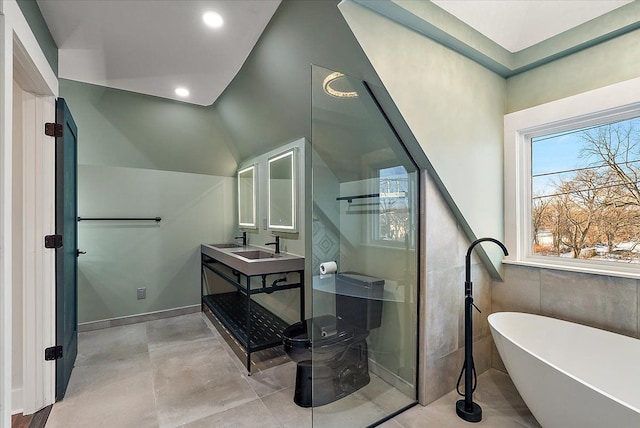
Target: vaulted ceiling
518, 24
156, 46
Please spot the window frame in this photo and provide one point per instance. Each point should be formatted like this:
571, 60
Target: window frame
373, 225
608, 104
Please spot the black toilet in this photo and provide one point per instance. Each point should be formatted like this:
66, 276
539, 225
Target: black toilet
340, 355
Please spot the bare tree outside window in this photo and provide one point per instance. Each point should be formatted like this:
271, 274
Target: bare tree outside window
586, 201
393, 220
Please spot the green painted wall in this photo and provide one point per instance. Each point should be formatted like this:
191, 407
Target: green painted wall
38, 26
120, 128
162, 257
454, 107
267, 104
143, 156
269, 101
433, 22
611, 62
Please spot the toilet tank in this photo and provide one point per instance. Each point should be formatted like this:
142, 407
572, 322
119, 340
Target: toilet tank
359, 300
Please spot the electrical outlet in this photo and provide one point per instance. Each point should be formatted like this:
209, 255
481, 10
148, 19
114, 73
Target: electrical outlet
142, 293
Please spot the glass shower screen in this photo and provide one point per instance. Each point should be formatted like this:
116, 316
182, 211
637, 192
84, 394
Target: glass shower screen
365, 219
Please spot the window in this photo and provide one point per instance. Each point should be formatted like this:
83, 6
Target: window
585, 193
572, 183
393, 220
392, 223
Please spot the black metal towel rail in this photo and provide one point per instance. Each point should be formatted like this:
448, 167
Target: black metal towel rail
351, 198
156, 219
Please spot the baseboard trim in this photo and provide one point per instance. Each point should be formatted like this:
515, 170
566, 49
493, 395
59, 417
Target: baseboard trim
16, 401
138, 318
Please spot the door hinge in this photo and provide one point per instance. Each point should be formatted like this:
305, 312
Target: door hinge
53, 353
53, 241
53, 129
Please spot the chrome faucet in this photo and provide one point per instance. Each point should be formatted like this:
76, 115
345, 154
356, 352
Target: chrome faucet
276, 243
243, 237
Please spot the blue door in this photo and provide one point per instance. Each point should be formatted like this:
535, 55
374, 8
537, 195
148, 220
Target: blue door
66, 256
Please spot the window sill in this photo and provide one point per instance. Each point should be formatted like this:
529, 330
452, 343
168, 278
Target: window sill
620, 271
380, 245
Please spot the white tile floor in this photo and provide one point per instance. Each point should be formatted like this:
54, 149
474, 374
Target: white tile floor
179, 372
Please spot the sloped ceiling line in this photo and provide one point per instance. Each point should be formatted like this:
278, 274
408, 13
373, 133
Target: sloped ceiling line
498, 59
154, 46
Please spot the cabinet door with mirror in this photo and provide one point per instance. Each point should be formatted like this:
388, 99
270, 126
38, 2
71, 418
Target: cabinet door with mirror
247, 197
282, 183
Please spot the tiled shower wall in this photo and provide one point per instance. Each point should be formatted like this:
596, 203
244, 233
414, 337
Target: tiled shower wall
442, 300
606, 302
600, 301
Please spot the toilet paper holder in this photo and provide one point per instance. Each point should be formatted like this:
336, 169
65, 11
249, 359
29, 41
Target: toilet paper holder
327, 268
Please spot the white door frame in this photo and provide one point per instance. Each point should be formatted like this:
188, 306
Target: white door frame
18, 44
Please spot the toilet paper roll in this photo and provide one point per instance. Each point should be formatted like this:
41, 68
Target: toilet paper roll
328, 267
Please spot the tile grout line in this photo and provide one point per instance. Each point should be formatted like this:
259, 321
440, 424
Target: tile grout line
147, 337
270, 412
218, 338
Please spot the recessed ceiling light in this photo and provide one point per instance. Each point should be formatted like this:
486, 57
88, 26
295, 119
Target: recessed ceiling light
182, 92
213, 19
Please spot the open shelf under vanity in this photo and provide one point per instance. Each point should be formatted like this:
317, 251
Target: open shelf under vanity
252, 325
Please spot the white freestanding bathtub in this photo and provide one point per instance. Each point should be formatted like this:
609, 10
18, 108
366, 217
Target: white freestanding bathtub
570, 375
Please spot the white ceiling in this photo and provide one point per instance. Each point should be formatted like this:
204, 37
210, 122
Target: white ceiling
519, 24
152, 47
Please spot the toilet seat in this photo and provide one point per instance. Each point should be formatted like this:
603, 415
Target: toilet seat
297, 335
298, 345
